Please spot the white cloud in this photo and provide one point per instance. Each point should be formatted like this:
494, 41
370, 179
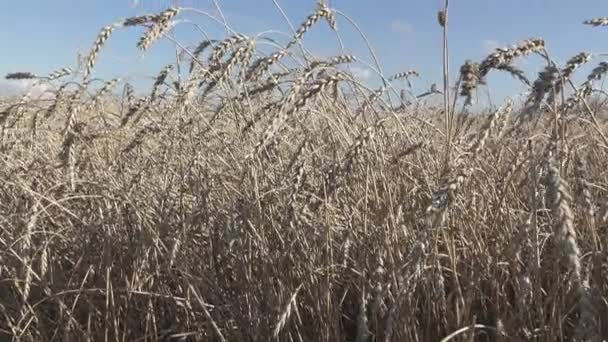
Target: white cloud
361, 73
20, 87
401, 26
10, 88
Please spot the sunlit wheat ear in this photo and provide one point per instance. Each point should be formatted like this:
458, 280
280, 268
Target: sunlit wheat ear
328, 14
20, 76
196, 79
139, 137
286, 313
220, 50
584, 191
260, 66
581, 93
26, 246
296, 99
378, 281
542, 86
403, 75
322, 11
479, 140
44, 260
241, 56
332, 62
312, 68
407, 151
504, 57
59, 95
261, 87
341, 59
298, 155
297, 182
200, 48
245, 59
574, 63
160, 26
442, 18
585, 89
188, 90
68, 150
160, 80
470, 78
566, 73
603, 21
559, 200
334, 177
57, 74
473, 74
448, 187
370, 101
129, 94
140, 105
598, 72
450, 184
355, 149
106, 89
139, 20
99, 42
317, 87
482, 137
223, 71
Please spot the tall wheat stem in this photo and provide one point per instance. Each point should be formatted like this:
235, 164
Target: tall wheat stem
443, 21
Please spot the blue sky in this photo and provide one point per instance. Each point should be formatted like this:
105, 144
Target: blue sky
41, 36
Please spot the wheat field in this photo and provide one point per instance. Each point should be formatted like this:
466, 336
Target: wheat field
273, 196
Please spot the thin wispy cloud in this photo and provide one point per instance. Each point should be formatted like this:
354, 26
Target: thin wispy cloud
361, 73
400, 26
20, 87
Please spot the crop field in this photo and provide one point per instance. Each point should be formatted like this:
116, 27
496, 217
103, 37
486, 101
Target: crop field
256, 195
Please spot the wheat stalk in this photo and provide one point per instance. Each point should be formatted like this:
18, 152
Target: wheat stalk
286, 314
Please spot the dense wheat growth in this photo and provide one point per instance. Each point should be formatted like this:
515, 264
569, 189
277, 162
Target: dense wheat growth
255, 195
